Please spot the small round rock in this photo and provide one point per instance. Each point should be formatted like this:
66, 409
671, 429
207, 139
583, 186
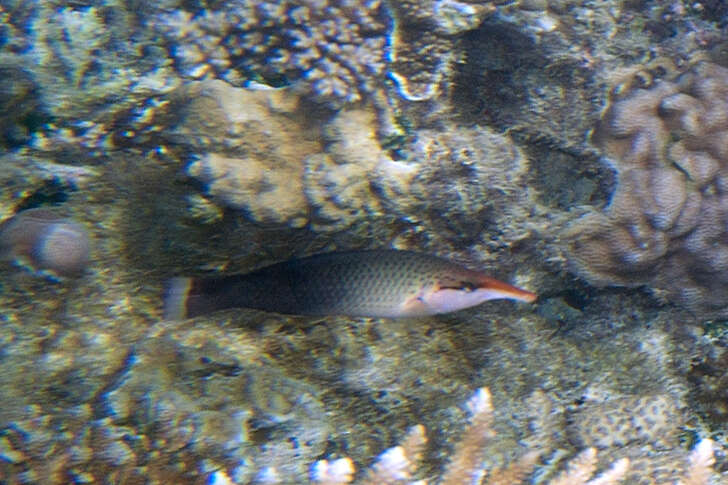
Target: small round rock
46, 241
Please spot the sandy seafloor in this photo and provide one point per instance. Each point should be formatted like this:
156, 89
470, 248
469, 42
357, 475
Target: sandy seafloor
571, 147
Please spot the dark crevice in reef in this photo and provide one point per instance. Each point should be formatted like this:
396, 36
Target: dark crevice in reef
52, 192
490, 86
565, 179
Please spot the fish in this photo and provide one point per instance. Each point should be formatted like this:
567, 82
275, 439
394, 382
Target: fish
370, 283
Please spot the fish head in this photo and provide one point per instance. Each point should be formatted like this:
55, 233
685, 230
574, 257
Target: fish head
453, 294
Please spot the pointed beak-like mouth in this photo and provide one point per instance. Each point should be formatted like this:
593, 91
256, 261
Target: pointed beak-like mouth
504, 290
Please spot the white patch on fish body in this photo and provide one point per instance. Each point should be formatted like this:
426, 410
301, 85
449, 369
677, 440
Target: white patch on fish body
433, 301
451, 300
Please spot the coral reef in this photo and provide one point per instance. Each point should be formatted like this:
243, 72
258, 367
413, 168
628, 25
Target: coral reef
626, 421
20, 106
136, 425
453, 127
265, 153
77, 63
82, 75
539, 73
478, 178
31, 181
423, 42
352, 160
247, 397
663, 227
252, 145
398, 465
331, 51
707, 376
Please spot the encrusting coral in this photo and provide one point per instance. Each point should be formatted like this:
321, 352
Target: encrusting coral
140, 429
664, 226
253, 148
644, 419
262, 152
265, 153
79, 64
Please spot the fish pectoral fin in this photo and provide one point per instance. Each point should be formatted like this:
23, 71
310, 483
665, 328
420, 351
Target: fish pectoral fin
415, 306
433, 301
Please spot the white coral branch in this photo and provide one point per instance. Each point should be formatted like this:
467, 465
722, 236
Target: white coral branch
700, 464
398, 464
336, 472
578, 470
466, 465
615, 474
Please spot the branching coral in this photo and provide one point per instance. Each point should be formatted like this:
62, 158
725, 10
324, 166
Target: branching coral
333, 51
398, 465
336, 52
664, 226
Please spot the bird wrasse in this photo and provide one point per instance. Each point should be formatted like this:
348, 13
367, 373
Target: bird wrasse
377, 283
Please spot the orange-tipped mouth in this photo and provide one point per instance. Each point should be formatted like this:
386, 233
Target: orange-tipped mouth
507, 291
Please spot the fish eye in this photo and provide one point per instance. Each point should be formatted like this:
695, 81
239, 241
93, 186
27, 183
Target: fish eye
468, 286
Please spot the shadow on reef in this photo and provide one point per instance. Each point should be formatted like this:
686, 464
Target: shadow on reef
161, 223
491, 85
511, 82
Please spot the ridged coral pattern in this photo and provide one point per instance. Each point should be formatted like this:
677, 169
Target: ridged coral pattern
665, 226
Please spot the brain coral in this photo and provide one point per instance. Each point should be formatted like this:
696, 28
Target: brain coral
652, 419
666, 224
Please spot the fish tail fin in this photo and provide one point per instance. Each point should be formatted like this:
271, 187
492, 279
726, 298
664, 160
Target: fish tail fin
176, 295
187, 297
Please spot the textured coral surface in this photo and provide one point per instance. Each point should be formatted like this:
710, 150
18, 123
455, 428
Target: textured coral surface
333, 51
665, 224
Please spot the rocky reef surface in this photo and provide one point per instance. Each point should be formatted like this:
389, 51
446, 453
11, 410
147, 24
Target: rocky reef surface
574, 148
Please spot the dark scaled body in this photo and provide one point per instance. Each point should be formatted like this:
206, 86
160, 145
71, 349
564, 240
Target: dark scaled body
379, 283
